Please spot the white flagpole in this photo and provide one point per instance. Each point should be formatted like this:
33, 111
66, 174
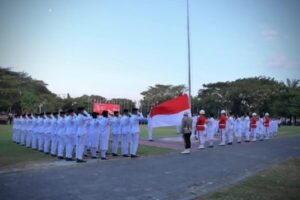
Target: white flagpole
189, 51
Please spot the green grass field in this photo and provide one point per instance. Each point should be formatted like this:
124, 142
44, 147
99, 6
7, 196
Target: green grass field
13, 155
279, 182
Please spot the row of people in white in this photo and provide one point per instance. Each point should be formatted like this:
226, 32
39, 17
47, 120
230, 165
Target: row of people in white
59, 133
234, 127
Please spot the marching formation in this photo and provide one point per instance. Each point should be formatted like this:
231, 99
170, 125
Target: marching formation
240, 128
59, 134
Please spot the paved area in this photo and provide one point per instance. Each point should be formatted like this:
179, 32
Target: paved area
173, 176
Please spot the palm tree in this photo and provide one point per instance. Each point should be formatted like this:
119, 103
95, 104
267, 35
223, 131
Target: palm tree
293, 83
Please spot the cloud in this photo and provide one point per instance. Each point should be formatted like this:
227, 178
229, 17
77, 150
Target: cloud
270, 34
279, 62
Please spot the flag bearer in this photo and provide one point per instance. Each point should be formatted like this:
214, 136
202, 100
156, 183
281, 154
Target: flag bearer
222, 127
267, 126
200, 127
253, 126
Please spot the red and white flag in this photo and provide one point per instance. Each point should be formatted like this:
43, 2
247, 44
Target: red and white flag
170, 113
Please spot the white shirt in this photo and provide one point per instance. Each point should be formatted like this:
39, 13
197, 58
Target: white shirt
124, 124
115, 125
134, 123
80, 123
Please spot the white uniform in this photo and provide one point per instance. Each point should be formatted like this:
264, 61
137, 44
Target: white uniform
29, 126
134, 132
125, 128
238, 129
150, 129
47, 133
81, 135
61, 135
54, 137
194, 122
116, 132
70, 135
41, 134
94, 132
34, 137
23, 127
229, 129
104, 135
246, 127
211, 130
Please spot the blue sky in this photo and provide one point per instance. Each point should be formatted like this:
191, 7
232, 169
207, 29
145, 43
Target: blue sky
118, 48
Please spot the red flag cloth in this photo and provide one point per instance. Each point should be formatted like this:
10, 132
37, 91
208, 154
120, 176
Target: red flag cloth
170, 113
100, 107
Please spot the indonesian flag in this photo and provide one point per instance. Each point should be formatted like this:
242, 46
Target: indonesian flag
170, 113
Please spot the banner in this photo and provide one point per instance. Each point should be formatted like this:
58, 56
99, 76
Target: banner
100, 107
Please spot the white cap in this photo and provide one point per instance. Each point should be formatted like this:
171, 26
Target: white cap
223, 112
202, 112
253, 114
186, 113
267, 114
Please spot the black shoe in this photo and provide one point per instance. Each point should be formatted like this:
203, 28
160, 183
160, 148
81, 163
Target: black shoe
247, 141
102, 158
133, 156
85, 155
150, 140
211, 146
239, 142
17, 142
229, 143
126, 156
46, 153
80, 161
60, 157
94, 157
114, 154
69, 159
41, 151
53, 155
261, 140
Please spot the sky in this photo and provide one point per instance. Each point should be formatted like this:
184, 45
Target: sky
118, 48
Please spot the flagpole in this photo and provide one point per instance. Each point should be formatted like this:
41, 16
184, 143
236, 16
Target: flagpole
189, 51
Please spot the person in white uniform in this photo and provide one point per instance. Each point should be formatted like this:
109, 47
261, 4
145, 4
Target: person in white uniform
125, 128
246, 128
54, 137
229, 128
116, 132
70, 134
134, 131
23, 128
104, 134
35, 131
150, 129
194, 132
47, 132
29, 130
95, 131
237, 129
81, 133
211, 130
41, 133
61, 134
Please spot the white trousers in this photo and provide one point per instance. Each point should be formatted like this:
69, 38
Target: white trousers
28, 138
40, 141
80, 144
230, 135
247, 134
70, 142
222, 136
47, 139
104, 140
201, 137
115, 143
23, 137
149, 132
124, 144
134, 143
253, 133
34, 139
267, 132
54, 143
61, 145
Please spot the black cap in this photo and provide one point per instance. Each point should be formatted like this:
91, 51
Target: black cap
125, 110
70, 111
48, 113
95, 114
55, 113
134, 109
62, 112
80, 109
116, 112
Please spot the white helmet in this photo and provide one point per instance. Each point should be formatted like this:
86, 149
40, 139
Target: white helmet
253, 114
223, 112
186, 113
267, 114
202, 112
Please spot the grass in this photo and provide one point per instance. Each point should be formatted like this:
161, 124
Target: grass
289, 130
13, 155
279, 182
158, 132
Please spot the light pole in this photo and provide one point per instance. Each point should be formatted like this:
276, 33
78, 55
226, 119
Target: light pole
189, 51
